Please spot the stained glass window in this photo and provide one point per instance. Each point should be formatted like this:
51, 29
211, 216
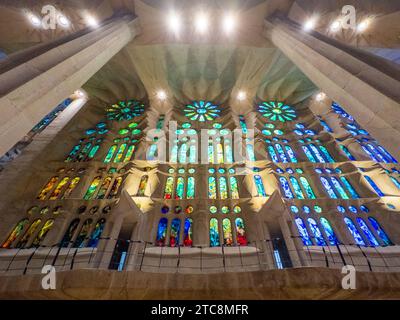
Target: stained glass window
220, 153
180, 186
339, 188
223, 188
234, 188
212, 188
296, 187
307, 188
190, 188
214, 233
326, 153
43, 232
277, 111
83, 234
228, 151
104, 188
272, 154
71, 187
188, 233
110, 154
174, 154
240, 232
47, 188
120, 153
330, 234
169, 185
142, 185
162, 232
57, 191
354, 232
374, 186
259, 186
175, 232
316, 232
316, 153
303, 232
69, 233
350, 188
381, 233
15, 233
281, 153
129, 153
286, 188
92, 189
291, 154
28, 234
183, 153
202, 111
115, 188
347, 153
250, 152
371, 238
96, 233
125, 110
396, 182
227, 231
328, 187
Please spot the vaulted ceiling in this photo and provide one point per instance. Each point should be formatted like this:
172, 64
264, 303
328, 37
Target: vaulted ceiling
209, 67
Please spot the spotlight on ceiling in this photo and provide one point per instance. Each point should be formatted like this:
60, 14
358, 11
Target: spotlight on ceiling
228, 23
201, 23
34, 19
174, 22
363, 25
241, 95
309, 24
63, 21
335, 26
320, 96
80, 93
161, 95
91, 21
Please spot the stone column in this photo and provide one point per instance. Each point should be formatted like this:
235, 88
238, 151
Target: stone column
366, 86
34, 81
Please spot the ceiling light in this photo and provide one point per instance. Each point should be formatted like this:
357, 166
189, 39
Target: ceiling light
228, 23
335, 26
35, 20
161, 95
63, 20
91, 21
201, 23
174, 22
241, 96
320, 96
80, 93
362, 26
310, 24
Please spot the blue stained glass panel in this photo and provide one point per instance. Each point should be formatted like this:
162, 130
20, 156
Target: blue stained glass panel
381, 233
350, 188
307, 187
281, 153
339, 188
296, 187
291, 154
354, 232
272, 154
286, 188
308, 153
260, 186
374, 186
316, 232
371, 238
328, 187
303, 232
330, 234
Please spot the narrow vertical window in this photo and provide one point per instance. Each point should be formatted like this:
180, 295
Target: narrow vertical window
28, 234
250, 152
120, 153
71, 187
69, 233
142, 185
104, 188
316, 232
110, 154
291, 154
190, 191
259, 186
328, 187
210, 152
347, 153
92, 188
93, 151
354, 232
317, 154
183, 153
57, 191
223, 188
240, 232
192, 154
374, 186
14, 233
169, 185
129, 153
228, 151
272, 154
227, 230
212, 188
188, 233
234, 188
349, 187
296, 187
307, 188
371, 238
43, 232
281, 153
83, 234
175, 232
308, 153
326, 154
162, 232
339, 188
96, 233
379, 230
180, 187
115, 188
286, 188
174, 154
47, 188
330, 234
303, 232
214, 233
220, 153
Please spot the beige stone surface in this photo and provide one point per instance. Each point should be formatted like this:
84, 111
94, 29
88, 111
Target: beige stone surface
302, 283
